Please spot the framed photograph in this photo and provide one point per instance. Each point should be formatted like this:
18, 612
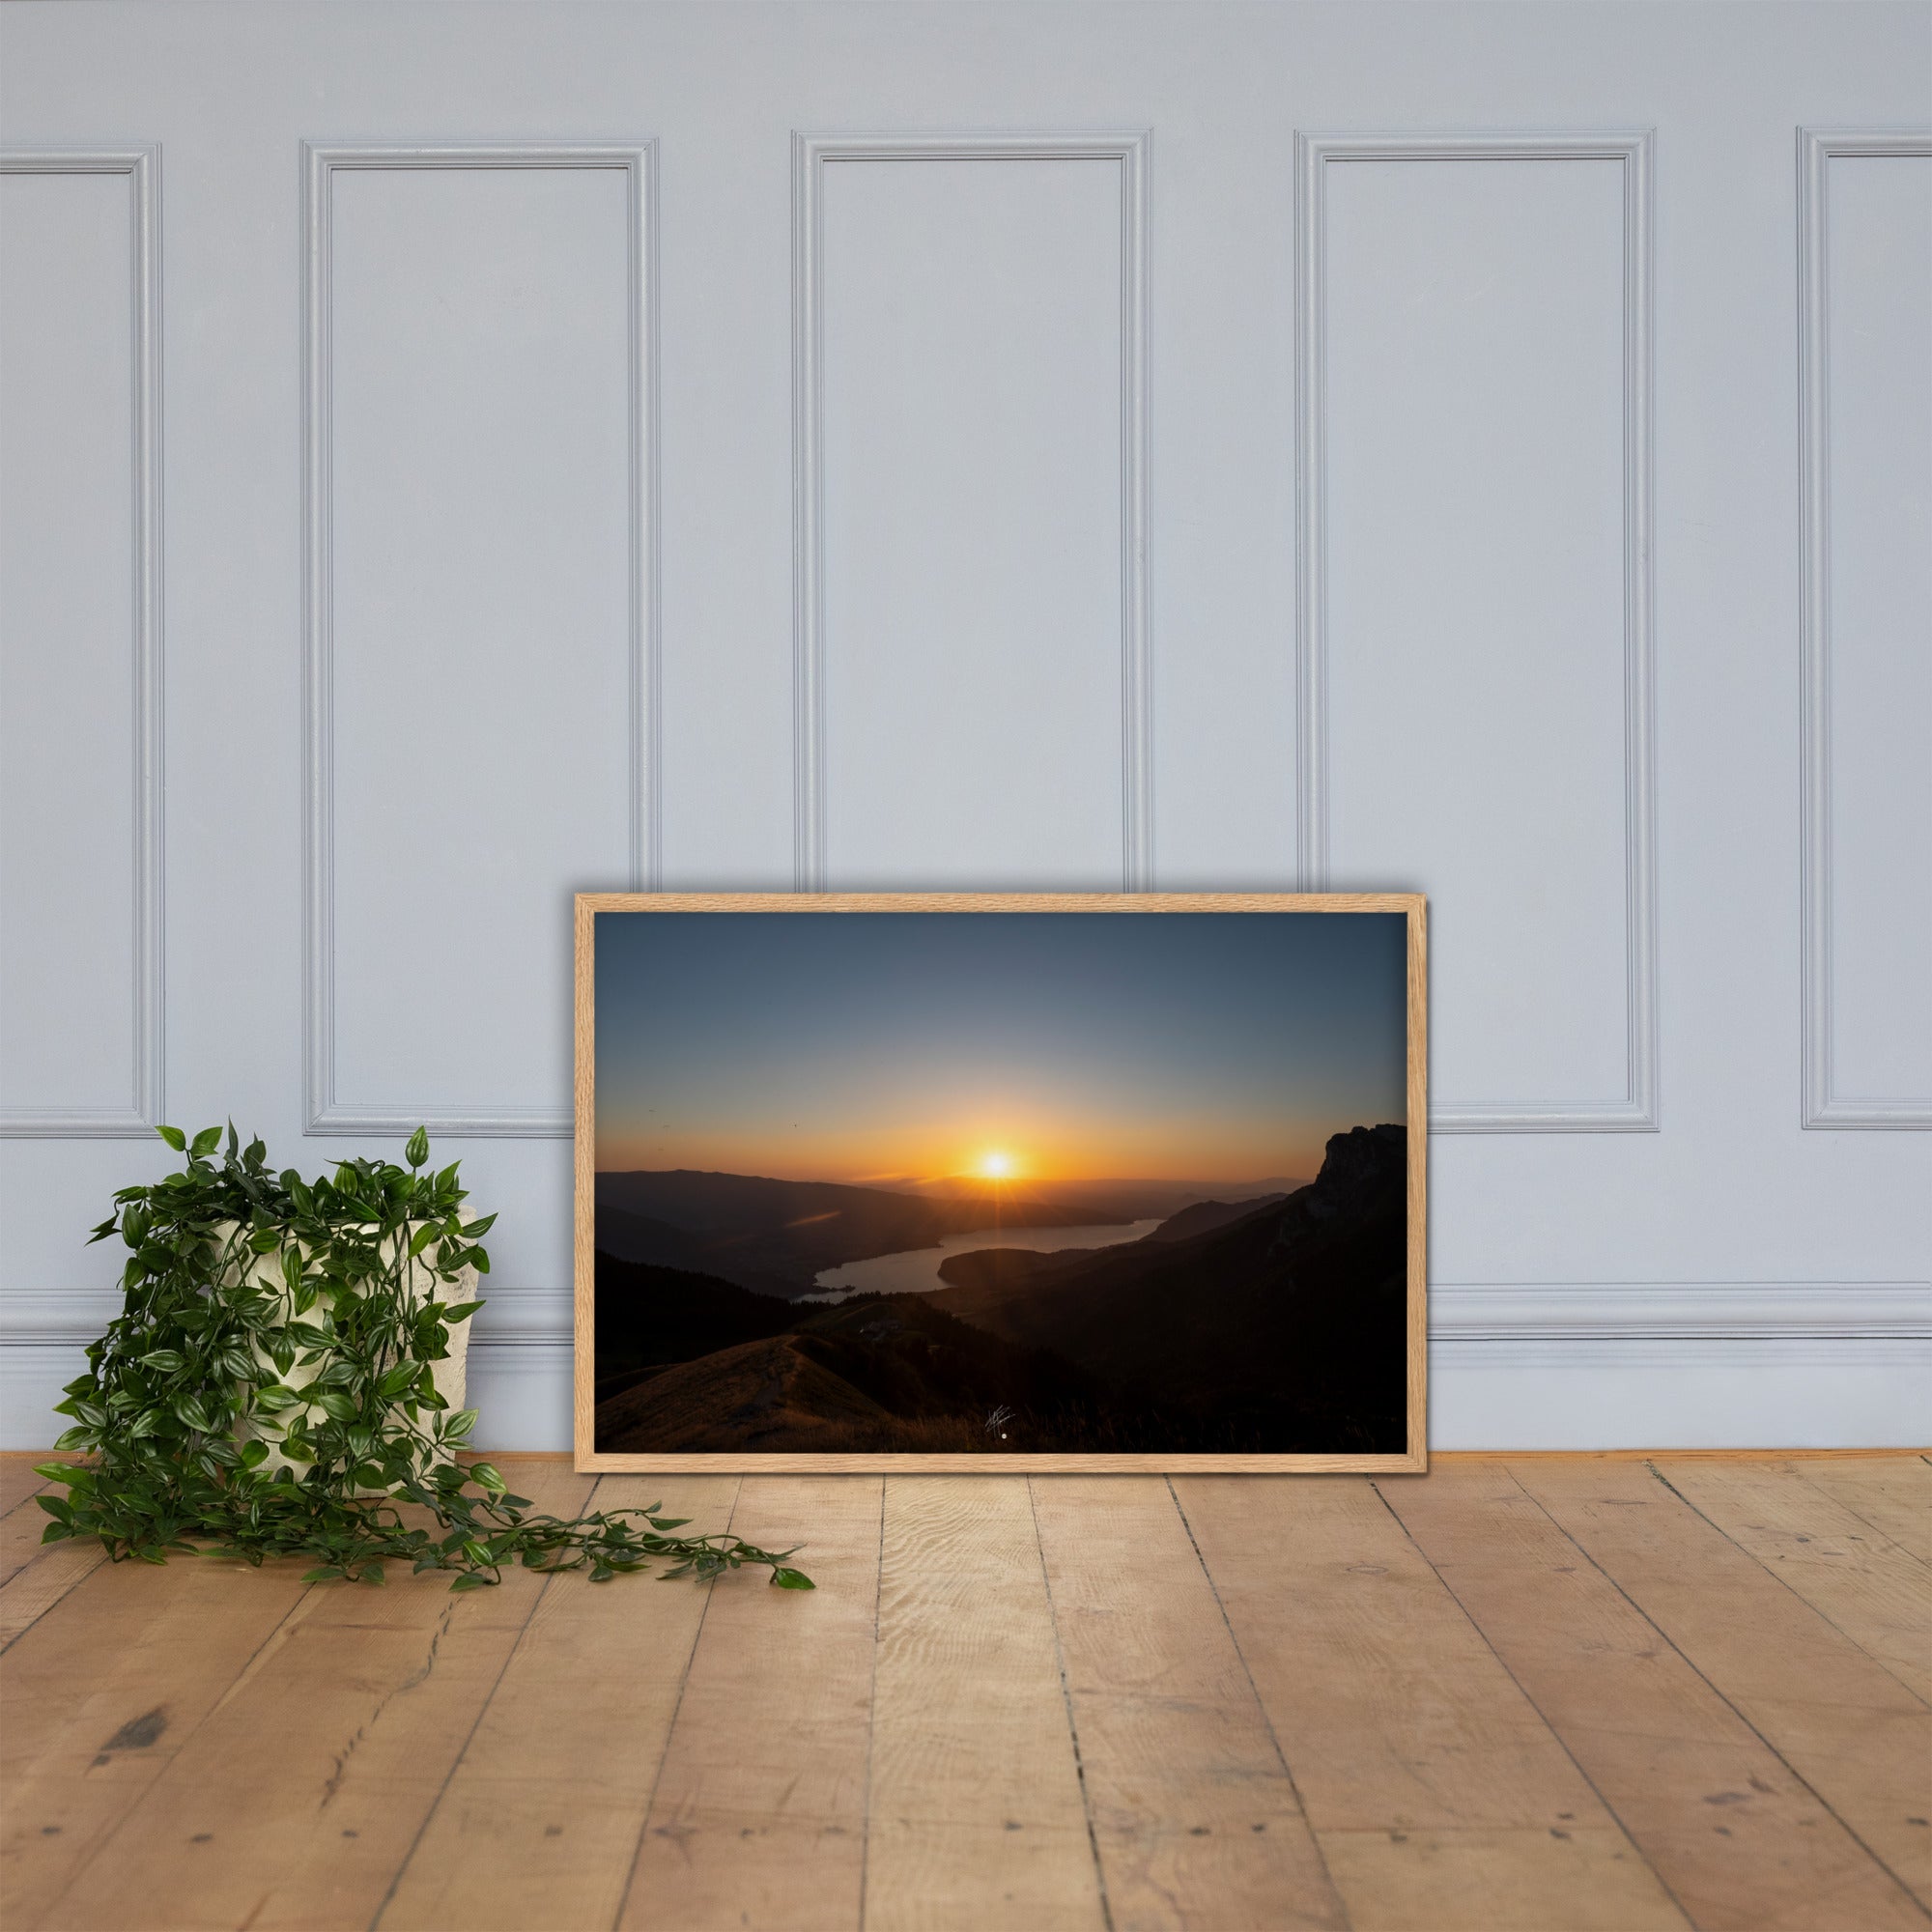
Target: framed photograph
977, 1182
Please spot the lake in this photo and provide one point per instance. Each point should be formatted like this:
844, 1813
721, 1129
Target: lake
916, 1270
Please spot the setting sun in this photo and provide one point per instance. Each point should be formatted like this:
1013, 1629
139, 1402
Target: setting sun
996, 1166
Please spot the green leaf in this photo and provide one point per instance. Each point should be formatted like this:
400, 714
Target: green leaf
461, 1311
792, 1579
417, 1149
470, 1580
174, 1137
204, 1142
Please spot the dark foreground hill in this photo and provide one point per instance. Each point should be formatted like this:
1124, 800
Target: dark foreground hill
1292, 1317
688, 1362
776, 1236
647, 1317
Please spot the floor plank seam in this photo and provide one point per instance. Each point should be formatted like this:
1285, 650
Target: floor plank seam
1718, 1692
455, 1764
1072, 1723
40, 1490
873, 1708
1864, 1651
676, 1711
1562, 1742
38, 1615
1260, 1705
1883, 1535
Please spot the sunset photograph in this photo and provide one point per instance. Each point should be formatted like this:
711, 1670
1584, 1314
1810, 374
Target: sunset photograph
1000, 1183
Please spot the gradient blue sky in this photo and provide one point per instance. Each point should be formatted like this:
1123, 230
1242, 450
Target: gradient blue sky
902, 1046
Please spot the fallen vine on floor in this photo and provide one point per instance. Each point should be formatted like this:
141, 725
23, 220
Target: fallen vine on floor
269, 1388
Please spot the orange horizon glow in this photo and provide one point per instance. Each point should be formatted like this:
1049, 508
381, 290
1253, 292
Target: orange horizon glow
1045, 1143
1000, 1163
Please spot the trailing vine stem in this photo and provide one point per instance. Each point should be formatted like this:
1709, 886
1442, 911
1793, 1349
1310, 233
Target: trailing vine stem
269, 1387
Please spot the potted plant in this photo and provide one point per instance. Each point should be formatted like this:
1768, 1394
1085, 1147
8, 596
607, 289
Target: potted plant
286, 1378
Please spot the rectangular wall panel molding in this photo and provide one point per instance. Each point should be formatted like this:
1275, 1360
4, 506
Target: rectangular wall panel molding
1866, 605
813, 156
1317, 157
40, 1113
333, 1107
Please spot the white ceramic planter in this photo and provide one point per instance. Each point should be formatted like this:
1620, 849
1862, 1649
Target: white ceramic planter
450, 1376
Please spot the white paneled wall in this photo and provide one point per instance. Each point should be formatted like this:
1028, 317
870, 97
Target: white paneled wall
1481, 449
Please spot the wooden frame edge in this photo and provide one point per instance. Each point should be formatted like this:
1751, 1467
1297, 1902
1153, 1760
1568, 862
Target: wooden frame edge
587, 1460
1417, 1229
583, 1185
1402, 902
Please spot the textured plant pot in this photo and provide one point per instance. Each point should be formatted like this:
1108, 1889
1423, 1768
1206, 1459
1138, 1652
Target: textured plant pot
450, 1375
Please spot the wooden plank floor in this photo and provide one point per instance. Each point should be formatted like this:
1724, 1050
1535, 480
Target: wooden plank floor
1540, 1692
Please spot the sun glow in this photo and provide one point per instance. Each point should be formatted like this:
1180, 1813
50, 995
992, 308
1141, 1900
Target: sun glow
996, 1166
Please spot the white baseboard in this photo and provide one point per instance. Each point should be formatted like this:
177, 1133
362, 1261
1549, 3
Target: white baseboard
1550, 1365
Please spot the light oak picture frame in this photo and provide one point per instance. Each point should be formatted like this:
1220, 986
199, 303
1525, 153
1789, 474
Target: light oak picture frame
1412, 1458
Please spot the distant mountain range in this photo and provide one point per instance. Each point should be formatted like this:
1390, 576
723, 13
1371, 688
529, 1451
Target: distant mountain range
776, 1236
1121, 1200
1204, 1216
1277, 1323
